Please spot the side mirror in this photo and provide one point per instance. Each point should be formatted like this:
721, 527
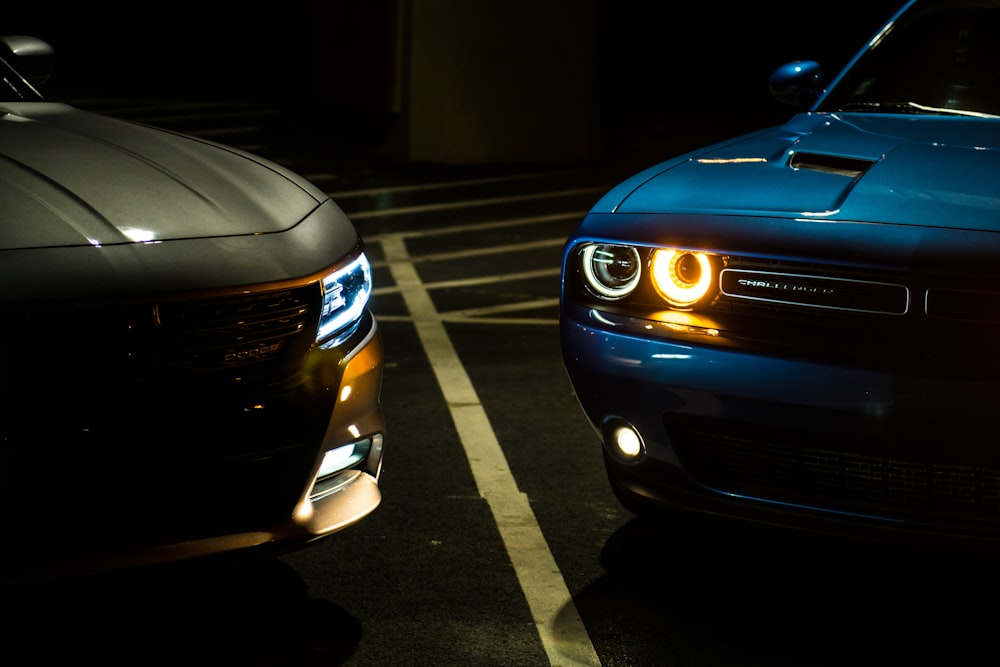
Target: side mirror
30, 56
798, 83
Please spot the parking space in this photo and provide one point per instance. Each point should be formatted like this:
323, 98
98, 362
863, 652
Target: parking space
498, 541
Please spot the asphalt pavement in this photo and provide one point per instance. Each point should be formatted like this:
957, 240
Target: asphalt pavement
499, 542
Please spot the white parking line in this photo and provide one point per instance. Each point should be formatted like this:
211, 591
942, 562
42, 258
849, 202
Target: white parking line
491, 250
503, 223
469, 203
543, 585
439, 185
517, 306
469, 282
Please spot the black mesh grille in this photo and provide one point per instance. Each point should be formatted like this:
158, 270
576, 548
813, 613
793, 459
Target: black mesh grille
222, 334
773, 466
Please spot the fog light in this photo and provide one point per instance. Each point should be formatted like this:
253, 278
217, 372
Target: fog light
363, 456
623, 440
342, 458
627, 441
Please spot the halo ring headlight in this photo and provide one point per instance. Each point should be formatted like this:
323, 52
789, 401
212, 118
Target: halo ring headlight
611, 271
681, 277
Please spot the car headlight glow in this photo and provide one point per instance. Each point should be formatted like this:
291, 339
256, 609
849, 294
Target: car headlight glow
345, 295
611, 271
682, 277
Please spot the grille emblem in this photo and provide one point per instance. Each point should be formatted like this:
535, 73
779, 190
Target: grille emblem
774, 286
812, 291
255, 353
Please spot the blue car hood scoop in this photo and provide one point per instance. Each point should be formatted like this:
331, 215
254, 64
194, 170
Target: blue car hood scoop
866, 168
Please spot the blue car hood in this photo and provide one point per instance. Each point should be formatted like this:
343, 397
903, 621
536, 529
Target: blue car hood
916, 170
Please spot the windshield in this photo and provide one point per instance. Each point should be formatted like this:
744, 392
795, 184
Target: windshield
940, 57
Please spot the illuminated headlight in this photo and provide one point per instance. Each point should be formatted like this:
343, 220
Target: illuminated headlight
353, 456
345, 294
611, 271
682, 277
343, 458
623, 440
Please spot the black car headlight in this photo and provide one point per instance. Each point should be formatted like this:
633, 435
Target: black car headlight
345, 296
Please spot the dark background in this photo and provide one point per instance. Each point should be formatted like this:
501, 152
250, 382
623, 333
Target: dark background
658, 58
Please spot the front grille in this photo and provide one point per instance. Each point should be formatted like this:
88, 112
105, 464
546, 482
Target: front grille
782, 470
232, 332
966, 306
884, 320
841, 294
79, 345
160, 414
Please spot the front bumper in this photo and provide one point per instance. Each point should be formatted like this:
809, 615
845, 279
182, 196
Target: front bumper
263, 476
793, 443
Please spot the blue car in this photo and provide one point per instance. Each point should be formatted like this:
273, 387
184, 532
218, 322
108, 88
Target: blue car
799, 326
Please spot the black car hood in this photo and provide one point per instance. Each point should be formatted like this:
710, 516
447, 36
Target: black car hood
73, 178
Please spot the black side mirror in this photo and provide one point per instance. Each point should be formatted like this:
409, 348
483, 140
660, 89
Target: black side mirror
798, 83
30, 56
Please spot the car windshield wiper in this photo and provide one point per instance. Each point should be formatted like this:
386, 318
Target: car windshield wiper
909, 107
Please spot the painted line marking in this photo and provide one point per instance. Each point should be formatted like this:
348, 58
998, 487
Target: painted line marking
440, 185
541, 582
490, 250
459, 318
470, 282
504, 223
470, 203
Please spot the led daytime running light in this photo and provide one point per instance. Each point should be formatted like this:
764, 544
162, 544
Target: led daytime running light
345, 295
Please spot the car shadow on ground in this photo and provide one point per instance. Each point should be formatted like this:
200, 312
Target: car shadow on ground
704, 593
253, 614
